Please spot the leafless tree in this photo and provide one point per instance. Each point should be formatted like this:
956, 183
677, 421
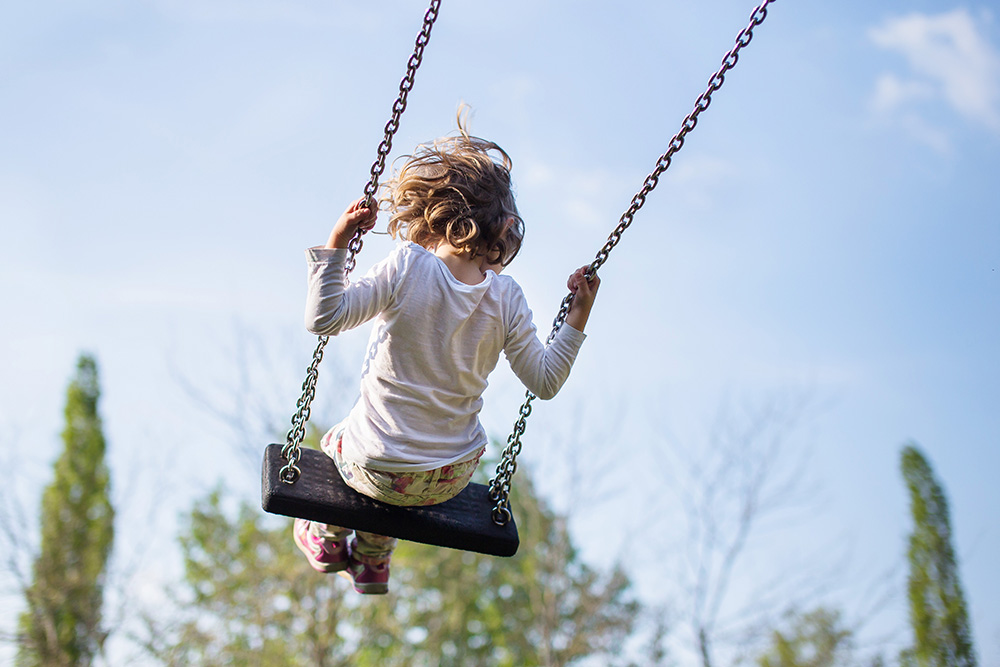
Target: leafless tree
15, 545
253, 400
750, 478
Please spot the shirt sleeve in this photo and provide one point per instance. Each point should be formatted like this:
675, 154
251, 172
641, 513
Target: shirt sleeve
333, 304
543, 370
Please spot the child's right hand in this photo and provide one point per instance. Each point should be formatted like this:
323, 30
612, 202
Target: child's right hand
354, 218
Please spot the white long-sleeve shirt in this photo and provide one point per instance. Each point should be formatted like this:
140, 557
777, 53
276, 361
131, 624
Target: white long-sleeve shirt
434, 342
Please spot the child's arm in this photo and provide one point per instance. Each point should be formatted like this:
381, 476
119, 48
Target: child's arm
333, 304
544, 368
584, 292
349, 222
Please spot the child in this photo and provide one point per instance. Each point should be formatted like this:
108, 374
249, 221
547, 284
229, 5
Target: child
443, 314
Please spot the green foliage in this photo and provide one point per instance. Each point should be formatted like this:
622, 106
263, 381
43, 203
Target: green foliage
544, 606
62, 622
941, 629
814, 639
251, 599
256, 600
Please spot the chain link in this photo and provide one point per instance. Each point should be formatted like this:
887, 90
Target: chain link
398, 107
289, 474
501, 482
291, 451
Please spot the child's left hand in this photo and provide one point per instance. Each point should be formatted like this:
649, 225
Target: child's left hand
584, 292
350, 221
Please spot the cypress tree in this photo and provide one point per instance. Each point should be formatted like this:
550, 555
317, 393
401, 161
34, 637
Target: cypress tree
61, 624
941, 629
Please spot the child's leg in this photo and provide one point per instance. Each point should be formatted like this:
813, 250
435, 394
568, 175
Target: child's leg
325, 547
329, 533
368, 563
371, 548
369, 556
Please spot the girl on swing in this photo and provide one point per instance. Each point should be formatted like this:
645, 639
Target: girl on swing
443, 314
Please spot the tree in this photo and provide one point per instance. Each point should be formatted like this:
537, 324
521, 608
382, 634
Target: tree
941, 630
62, 621
745, 479
813, 639
544, 606
250, 598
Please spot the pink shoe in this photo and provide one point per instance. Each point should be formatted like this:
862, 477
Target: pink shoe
367, 578
323, 554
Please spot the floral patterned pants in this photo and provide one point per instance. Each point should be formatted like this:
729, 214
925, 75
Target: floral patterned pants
424, 487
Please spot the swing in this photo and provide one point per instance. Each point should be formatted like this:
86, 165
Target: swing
479, 518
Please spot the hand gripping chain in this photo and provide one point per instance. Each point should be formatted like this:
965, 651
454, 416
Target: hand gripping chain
500, 484
293, 440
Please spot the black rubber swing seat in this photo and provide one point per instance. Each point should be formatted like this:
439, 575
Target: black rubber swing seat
320, 494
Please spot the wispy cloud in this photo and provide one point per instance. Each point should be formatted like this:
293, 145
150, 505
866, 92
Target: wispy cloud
950, 61
588, 196
596, 196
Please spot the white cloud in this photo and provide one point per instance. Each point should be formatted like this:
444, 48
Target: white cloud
925, 133
588, 196
891, 92
701, 180
950, 60
595, 197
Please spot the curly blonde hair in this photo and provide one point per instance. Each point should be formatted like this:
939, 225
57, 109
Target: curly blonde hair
457, 189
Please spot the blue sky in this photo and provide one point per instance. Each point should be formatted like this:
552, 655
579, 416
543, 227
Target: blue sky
831, 229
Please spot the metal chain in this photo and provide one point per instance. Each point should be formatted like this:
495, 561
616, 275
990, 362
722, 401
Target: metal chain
501, 483
398, 107
291, 451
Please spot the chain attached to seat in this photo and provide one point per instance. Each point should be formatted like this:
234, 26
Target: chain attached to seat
501, 482
293, 440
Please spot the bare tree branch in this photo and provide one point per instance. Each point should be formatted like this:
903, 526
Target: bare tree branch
726, 492
254, 402
16, 536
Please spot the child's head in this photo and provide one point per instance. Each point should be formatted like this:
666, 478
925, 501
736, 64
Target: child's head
458, 190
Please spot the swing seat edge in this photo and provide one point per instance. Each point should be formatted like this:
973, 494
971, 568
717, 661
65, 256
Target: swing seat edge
320, 494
